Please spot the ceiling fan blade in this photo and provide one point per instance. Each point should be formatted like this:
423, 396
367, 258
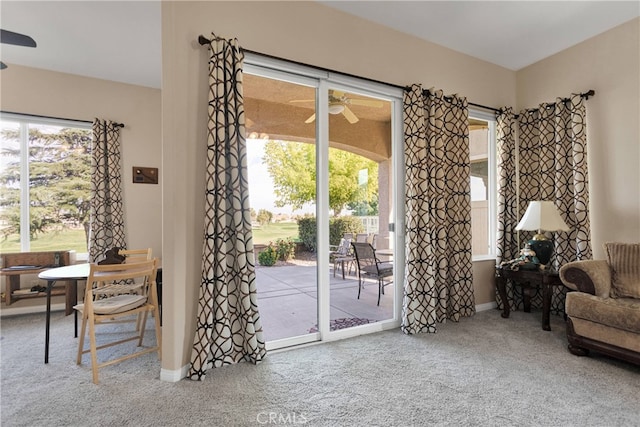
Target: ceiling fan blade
336, 93
311, 119
248, 123
2, 65
9, 37
303, 100
366, 102
348, 114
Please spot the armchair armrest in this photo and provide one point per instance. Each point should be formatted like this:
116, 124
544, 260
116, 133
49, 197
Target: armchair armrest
589, 276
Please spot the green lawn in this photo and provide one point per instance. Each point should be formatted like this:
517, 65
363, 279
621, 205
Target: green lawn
68, 239
270, 232
75, 239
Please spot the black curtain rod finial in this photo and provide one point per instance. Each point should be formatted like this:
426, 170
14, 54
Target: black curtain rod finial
203, 40
118, 125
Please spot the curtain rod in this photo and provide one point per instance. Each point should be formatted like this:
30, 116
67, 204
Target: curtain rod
205, 41
584, 95
115, 124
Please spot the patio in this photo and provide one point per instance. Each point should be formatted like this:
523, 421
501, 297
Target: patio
288, 300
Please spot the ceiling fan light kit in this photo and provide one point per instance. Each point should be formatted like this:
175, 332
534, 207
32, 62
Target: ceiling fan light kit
336, 108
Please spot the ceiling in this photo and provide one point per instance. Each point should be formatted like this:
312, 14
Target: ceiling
79, 37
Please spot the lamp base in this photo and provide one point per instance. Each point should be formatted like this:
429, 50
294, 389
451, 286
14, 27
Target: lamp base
543, 248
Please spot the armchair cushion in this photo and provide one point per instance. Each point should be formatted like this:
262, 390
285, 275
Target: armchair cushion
624, 260
620, 313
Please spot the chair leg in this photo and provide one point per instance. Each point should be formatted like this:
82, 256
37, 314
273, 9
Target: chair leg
94, 351
81, 340
380, 289
359, 286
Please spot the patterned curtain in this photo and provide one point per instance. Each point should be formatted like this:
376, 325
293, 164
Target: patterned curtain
438, 272
228, 326
106, 218
553, 166
508, 215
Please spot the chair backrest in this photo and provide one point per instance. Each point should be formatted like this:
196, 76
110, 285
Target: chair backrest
365, 254
118, 279
135, 255
344, 247
361, 237
373, 239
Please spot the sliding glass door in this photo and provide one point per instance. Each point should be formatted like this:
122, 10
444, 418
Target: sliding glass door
321, 168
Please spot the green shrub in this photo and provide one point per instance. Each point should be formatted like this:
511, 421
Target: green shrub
285, 249
307, 232
337, 228
341, 225
268, 256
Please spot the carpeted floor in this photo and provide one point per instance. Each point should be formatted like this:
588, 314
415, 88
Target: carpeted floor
482, 371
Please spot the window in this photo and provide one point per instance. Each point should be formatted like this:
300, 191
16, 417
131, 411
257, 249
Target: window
44, 183
483, 195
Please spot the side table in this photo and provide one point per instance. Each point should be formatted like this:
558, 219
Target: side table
529, 280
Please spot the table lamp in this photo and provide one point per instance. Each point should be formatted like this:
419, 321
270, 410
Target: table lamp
542, 216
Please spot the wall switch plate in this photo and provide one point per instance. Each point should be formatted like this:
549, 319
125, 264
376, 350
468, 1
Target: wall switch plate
143, 175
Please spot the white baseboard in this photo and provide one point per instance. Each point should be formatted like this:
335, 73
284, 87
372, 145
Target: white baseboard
486, 306
14, 311
174, 375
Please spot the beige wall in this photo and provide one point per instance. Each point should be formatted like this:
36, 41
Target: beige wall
609, 64
47, 93
295, 31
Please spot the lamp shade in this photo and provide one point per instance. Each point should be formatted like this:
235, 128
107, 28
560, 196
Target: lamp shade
542, 216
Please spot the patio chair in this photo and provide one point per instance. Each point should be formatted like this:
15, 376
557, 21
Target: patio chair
342, 255
362, 237
369, 266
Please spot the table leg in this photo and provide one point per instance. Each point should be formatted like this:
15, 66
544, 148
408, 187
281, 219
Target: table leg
546, 306
50, 284
526, 297
501, 284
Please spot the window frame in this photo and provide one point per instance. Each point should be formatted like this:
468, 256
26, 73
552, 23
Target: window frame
24, 121
492, 194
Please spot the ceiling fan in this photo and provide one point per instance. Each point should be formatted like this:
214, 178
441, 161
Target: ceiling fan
339, 104
9, 37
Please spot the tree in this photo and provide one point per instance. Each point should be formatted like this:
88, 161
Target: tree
292, 166
264, 217
59, 180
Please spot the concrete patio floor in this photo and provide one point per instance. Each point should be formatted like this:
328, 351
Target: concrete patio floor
288, 299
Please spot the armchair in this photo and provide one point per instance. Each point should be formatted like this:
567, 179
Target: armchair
603, 314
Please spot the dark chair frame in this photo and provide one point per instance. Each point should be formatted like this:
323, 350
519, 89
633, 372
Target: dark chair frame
370, 267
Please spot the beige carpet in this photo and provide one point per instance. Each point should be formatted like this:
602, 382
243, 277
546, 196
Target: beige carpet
483, 371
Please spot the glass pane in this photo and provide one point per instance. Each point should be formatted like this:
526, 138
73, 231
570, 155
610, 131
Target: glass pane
360, 198
9, 186
59, 187
281, 159
479, 153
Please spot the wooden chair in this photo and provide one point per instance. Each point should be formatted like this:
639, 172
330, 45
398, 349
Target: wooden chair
369, 266
115, 291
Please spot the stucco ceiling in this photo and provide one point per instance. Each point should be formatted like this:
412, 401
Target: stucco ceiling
79, 37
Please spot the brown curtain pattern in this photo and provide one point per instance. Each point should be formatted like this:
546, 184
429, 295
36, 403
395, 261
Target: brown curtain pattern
228, 328
553, 166
438, 271
507, 239
106, 217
